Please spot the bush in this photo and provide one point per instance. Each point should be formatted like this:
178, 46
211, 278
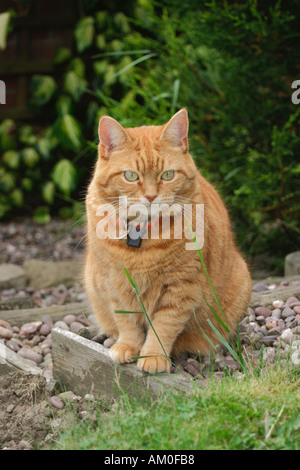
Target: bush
231, 64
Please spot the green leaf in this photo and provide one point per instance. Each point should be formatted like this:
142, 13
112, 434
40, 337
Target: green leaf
27, 184
30, 157
26, 135
43, 147
74, 84
4, 209
48, 192
78, 66
68, 131
84, 33
43, 88
4, 21
64, 105
7, 181
63, 54
64, 176
7, 141
17, 197
11, 158
41, 215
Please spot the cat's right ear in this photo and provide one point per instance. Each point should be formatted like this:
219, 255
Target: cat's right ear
112, 135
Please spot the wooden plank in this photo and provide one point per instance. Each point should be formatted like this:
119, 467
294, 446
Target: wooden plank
276, 279
26, 67
14, 361
265, 299
57, 312
16, 112
84, 366
16, 303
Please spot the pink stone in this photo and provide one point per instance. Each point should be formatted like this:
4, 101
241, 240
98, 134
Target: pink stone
5, 333
31, 355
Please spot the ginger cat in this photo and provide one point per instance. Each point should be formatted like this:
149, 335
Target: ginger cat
151, 164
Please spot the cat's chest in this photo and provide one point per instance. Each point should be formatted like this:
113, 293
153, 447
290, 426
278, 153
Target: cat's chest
124, 295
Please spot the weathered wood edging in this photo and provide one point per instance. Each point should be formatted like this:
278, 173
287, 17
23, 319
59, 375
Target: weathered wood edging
85, 366
11, 361
57, 312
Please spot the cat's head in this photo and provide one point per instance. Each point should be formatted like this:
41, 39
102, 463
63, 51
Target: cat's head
148, 164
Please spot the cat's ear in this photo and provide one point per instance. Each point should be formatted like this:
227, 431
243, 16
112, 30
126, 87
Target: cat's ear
176, 130
111, 135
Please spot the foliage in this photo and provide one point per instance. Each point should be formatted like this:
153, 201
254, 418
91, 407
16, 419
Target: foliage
230, 63
230, 414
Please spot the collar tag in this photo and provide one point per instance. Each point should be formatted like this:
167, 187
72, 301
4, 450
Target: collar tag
134, 237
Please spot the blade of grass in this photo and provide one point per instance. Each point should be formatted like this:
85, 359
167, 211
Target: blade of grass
121, 53
144, 311
132, 64
225, 343
216, 316
175, 95
204, 334
124, 311
238, 357
205, 270
240, 353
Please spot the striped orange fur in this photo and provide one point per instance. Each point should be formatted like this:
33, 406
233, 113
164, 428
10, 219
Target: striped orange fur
170, 278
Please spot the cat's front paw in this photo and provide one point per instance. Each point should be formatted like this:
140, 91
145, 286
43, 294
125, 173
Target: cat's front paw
153, 364
122, 353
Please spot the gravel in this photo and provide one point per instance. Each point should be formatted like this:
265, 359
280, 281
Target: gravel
55, 241
59, 295
276, 328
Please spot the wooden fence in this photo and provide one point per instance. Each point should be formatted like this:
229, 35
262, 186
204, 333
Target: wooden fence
40, 28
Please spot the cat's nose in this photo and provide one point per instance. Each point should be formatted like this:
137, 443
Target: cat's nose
150, 197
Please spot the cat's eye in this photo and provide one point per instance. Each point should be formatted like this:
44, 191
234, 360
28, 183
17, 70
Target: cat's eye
168, 175
131, 176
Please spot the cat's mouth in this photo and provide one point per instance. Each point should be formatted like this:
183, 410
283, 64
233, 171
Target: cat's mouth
140, 213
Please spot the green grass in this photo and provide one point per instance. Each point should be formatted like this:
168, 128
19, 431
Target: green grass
248, 413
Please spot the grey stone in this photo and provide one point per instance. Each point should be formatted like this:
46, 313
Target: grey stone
109, 342
12, 276
292, 264
287, 312
287, 336
259, 287
276, 313
269, 355
43, 274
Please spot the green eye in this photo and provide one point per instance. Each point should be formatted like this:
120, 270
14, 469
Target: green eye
167, 175
131, 176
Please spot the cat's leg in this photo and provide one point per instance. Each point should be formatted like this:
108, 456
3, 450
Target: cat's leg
100, 307
131, 338
104, 318
168, 323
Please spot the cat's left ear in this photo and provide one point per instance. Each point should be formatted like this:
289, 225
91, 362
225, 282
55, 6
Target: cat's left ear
176, 130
